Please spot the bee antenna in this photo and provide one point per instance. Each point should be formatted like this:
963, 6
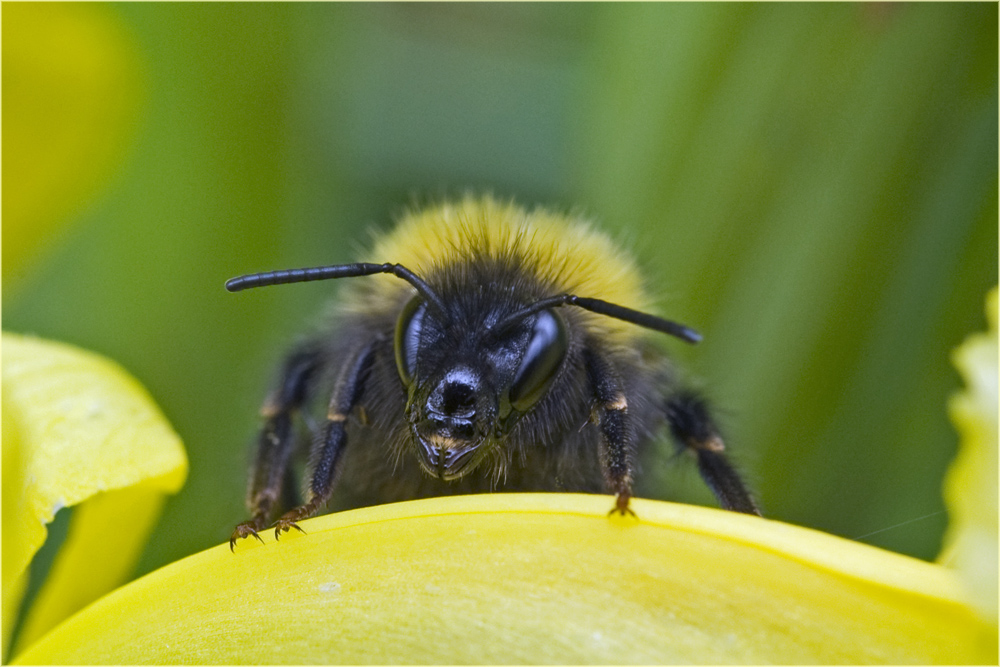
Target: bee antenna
636, 317
286, 276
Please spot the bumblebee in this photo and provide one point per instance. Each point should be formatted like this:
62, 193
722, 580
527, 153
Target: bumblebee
505, 348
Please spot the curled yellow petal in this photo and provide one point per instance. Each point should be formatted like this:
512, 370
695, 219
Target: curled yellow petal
531, 578
77, 429
971, 485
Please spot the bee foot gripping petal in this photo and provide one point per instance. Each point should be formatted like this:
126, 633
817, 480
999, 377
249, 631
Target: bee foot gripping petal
245, 529
622, 505
284, 525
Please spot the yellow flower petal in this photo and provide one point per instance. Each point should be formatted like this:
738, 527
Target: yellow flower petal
77, 428
971, 484
70, 100
13, 592
531, 578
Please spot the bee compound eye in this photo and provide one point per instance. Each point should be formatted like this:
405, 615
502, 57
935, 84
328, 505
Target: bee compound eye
542, 358
407, 339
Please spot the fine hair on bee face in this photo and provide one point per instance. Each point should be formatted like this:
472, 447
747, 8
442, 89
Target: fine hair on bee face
504, 349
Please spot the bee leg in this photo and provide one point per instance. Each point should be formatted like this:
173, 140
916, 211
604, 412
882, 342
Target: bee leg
694, 430
327, 449
611, 414
276, 441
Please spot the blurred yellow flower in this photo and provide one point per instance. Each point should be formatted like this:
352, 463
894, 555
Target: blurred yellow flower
71, 91
971, 484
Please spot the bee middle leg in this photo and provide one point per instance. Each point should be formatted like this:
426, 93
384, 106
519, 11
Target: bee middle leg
270, 470
610, 412
328, 448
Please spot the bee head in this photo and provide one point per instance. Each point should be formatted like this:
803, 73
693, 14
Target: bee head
470, 376
469, 381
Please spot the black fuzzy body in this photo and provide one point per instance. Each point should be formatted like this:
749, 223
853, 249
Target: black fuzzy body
508, 351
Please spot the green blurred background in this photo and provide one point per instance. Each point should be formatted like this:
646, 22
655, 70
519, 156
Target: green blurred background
813, 187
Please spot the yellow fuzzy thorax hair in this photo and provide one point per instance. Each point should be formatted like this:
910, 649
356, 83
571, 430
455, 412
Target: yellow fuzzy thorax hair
561, 251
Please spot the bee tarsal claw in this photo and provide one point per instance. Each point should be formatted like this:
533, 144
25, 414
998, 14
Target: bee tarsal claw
242, 531
284, 525
621, 506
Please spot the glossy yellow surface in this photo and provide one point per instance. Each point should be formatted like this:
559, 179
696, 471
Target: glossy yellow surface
532, 578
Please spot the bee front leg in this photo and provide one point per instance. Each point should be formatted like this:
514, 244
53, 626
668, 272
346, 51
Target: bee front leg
328, 448
618, 435
277, 440
694, 430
